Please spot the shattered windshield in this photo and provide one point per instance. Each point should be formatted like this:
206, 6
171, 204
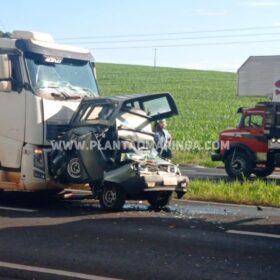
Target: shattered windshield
63, 76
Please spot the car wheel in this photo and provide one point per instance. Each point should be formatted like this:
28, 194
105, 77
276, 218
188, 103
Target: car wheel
264, 172
159, 199
112, 198
238, 166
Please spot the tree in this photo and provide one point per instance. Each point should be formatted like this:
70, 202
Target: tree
5, 34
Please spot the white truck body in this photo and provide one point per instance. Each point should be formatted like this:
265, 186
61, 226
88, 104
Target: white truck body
41, 85
260, 76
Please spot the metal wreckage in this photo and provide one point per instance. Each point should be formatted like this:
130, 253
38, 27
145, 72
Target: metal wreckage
113, 150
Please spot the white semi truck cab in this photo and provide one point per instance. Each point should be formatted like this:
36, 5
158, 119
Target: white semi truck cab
41, 86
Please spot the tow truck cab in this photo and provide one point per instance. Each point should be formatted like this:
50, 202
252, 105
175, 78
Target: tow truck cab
41, 86
253, 147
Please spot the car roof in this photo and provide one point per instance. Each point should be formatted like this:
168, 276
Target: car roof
124, 98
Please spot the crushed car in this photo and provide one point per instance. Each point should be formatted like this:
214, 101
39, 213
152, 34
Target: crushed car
110, 145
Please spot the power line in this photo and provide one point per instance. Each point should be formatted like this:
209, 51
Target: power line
189, 82
162, 71
185, 45
172, 33
176, 39
166, 72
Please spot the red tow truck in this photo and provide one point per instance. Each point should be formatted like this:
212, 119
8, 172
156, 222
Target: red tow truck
253, 147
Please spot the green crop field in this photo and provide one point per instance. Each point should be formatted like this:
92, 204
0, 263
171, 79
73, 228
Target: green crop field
206, 100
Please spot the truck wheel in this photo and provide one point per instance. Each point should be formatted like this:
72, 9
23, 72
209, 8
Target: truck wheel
264, 172
159, 199
238, 166
112, 198
72, 172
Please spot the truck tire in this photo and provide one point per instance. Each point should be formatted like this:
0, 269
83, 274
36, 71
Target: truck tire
159, 199
238, 165
112, 198
264, 172
72, 172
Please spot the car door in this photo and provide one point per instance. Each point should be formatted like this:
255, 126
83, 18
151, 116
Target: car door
156, 105
92, 160
92, 117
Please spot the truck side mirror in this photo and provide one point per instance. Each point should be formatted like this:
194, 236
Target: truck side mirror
94, 70
5, 73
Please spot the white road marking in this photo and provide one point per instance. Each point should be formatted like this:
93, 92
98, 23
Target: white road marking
17, 209
56, 272
253, 233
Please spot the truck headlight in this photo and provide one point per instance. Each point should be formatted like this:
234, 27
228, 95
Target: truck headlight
184, 184
39, 159
273, 140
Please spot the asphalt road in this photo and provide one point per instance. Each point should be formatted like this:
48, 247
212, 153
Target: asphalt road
199, 172
74, 239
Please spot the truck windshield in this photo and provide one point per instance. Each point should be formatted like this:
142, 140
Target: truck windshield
69, 77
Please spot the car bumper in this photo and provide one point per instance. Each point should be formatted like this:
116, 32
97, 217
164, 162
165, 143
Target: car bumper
138, 185
135, 183
175, 183
180, 191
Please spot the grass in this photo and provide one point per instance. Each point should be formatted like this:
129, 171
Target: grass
207, 104
206, 100
257, 192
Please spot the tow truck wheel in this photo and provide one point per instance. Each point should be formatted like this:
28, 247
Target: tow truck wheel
238, 166
265, 171
112, 198
159, 199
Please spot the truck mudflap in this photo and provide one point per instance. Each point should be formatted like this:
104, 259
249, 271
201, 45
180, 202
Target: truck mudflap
216, 157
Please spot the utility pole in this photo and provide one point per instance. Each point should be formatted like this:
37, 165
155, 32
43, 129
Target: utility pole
155, 57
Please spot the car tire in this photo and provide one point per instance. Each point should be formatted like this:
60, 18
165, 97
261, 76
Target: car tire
111, 198
238, 166
159, 199
264, 172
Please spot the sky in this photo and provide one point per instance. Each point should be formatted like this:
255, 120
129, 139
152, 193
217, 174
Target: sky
201, 34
